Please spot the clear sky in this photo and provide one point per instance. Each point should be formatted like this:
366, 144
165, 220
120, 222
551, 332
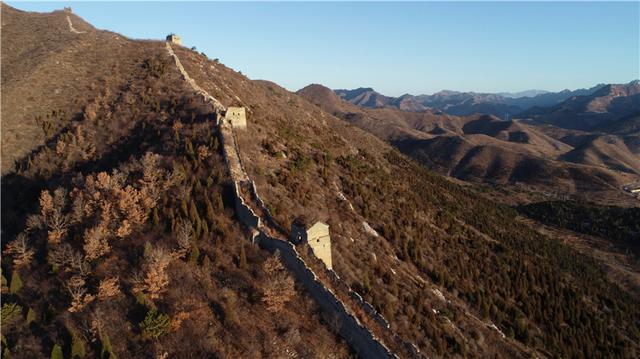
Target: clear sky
396, 48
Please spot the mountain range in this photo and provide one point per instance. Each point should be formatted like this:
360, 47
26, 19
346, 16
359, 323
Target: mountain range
569, 155
502, 105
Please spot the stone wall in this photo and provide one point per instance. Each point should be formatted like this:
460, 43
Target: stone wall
244, 212
217, 105
359, 338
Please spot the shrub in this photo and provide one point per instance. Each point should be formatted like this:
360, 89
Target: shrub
10, 313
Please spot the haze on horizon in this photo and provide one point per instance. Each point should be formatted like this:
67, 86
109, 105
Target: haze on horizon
395, 48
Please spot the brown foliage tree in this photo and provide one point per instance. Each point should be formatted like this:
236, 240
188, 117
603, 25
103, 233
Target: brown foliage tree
278, 288
20, 250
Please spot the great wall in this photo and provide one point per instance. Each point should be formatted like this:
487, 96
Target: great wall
253, 213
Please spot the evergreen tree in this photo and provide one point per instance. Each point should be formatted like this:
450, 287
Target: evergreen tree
156, 217
243, 257
210, 213
56, 352
194, 255
205, 231
107, 350
31, 316
16, 282
77, 347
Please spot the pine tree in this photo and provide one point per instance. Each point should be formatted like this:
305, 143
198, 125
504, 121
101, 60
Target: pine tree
4, 281
194, 255
210, 213
156, 217
243, 257
205, 231
56, 352
193, 211
77, 347
31, 316
219, 202
107, 350
16, 283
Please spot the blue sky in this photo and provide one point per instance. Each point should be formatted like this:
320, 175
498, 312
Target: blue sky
396, 48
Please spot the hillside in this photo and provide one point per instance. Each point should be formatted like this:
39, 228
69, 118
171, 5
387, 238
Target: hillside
119, 234
607, 104
428, 233
51, 74
136, 247
484, 148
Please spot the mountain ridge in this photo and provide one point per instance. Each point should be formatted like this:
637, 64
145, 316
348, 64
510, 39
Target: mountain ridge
463, 103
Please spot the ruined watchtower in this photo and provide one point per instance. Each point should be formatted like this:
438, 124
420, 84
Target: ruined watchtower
174, 39
316, 235
237, 117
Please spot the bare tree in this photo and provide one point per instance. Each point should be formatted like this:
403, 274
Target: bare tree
79, 297
61, 256
20, 250
58, 224
80, 265
185, 236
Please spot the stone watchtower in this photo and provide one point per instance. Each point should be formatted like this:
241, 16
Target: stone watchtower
174, 39
237, 117
316, 235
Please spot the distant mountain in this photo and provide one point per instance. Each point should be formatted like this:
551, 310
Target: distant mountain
586, 112
502, 105
484, 148
526, 93
365, 96
552, 98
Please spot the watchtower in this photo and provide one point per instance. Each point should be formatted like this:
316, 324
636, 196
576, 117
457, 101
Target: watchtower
174, 39
316, 235
237, 117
